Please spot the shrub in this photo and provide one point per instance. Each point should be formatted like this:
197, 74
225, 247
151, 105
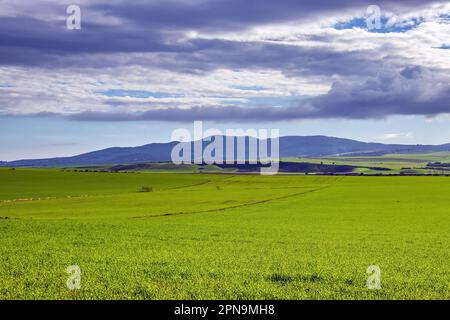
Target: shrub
146, 189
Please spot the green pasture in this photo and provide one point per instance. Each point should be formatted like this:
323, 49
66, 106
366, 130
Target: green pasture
222, 236
397, 163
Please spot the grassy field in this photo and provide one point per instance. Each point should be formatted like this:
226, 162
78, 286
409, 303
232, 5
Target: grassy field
406, 164
222, 236
397, 163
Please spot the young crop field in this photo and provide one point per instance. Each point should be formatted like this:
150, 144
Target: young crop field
395, 163
155, 235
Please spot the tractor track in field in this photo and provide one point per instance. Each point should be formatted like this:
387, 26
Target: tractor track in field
43, 199
233, 207
197, 184
190, 185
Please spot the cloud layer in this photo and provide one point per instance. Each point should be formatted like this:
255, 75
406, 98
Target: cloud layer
224, 60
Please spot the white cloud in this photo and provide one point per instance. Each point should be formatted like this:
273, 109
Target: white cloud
393, 136
355, 55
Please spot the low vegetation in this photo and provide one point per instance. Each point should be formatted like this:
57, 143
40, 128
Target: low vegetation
202, 236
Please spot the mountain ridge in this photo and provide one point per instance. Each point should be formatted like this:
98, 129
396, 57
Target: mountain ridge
290, 146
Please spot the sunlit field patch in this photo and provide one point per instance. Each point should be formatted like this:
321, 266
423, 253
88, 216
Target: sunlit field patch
200, 236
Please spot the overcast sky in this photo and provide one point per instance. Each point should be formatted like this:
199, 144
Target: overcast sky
136, 70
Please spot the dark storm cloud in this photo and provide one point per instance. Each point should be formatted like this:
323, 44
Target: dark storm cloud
29, 41
194, 56
412, 91
229, 15
292, 60
156, 26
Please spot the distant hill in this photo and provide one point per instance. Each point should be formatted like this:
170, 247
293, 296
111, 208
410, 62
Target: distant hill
290, 146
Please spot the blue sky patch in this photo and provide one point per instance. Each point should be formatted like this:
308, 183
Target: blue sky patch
444, 47
136, 94
361, 23
250, 88
275, 101
444, 17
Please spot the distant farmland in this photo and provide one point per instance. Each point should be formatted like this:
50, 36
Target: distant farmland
215, 236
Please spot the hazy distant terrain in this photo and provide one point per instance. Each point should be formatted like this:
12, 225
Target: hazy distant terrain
291, 146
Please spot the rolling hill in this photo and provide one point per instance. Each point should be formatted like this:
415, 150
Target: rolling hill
290, 146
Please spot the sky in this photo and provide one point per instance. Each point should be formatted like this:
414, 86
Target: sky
137, 70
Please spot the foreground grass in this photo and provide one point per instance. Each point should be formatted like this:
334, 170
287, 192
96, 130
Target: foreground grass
222, 236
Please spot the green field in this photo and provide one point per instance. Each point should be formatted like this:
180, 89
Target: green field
391, 164
222, 236
397, 163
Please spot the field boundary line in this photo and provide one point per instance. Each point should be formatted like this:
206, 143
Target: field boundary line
197, 184
191, 185
45, 198
231, 207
